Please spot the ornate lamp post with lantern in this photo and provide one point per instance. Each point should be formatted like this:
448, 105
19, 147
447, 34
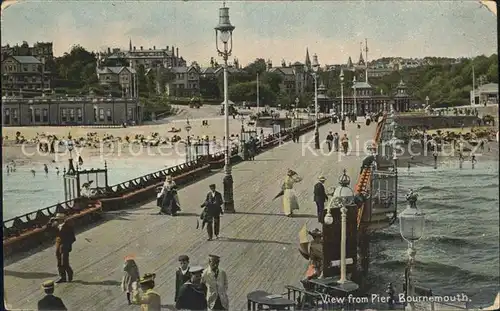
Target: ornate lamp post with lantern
411, 222
188, 141
342, 120
342, 198
224, 33
315, 66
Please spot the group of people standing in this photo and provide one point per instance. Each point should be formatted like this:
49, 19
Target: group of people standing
196, 288
332, 142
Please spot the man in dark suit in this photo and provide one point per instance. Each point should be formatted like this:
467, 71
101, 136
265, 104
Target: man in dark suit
182, 275
65, 237
50, 302
329, 141
320, 197
213, 204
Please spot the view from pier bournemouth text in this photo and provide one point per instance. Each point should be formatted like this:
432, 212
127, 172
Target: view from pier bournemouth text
250, 155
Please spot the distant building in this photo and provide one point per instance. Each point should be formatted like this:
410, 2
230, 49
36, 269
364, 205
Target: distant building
297, 77
216, 72
149, 58
55, 111
186, 82
486, 94
43, 51
24, 74
124, 77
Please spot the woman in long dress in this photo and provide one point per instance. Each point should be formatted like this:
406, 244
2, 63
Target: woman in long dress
169, 200
290, 202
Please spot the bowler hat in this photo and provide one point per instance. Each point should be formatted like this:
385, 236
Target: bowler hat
315, 233
183, 258
211, 185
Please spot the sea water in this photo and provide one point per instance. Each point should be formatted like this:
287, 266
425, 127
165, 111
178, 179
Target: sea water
24, 193
459, 251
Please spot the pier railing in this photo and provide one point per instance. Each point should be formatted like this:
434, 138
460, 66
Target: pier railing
364, 179
25, 231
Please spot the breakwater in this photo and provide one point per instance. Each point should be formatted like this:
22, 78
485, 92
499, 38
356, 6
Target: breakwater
28, 231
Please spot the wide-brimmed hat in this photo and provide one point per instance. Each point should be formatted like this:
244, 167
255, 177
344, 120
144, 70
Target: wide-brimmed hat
322, 178
148, 277
59, 216
315, 233
291, 172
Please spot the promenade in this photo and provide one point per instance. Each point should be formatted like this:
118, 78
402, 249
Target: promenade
258, 246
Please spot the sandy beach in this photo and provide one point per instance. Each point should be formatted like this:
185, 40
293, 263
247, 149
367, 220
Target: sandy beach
110, 142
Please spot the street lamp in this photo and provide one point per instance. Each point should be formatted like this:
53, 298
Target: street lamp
354, 94
426, 101
411, 222
188, 142
224, 33
315, 66
342, 196
342, 121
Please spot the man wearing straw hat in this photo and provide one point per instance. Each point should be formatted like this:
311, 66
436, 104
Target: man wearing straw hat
320, 197
50, 302
65, 237
150, 300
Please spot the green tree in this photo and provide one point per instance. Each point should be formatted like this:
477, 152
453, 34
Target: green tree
259, 66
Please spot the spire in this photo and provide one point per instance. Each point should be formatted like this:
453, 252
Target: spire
308, 59
349, 62
130, 45
361, 60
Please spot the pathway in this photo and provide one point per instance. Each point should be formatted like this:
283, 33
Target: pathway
258, 246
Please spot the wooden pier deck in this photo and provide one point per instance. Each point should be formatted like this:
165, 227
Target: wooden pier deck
258, 246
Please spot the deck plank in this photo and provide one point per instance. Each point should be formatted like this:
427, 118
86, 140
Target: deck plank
258, 246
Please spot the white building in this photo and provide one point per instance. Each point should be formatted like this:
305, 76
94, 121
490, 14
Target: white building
486, 94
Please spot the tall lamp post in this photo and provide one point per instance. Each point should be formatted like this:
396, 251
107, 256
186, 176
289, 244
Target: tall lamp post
188, 141
224, 33
342, 196
411, 222
426, 101
315, 66
354, 94
342, 121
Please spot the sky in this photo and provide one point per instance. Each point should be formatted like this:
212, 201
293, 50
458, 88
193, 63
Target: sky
264, 29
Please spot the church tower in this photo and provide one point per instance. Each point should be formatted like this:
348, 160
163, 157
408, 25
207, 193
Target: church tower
349, 63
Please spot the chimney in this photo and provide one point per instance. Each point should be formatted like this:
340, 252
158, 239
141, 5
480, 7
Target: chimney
154, 47
141, 47
177, 52
173, 50
109, 51
134, 48
167, 47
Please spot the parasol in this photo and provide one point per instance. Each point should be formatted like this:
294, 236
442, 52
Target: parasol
279, 194
304, 243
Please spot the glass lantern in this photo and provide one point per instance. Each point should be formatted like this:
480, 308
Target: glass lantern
412, 220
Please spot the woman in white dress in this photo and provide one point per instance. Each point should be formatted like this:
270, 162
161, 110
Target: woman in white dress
290, 202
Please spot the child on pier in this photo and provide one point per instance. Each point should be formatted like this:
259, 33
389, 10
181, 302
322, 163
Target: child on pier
130, 277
